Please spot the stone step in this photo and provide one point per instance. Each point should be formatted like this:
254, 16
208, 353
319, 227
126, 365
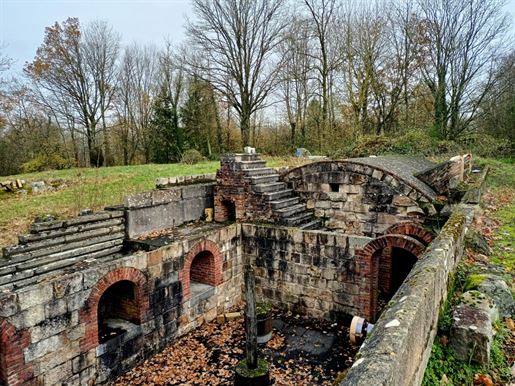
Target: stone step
284, 202
269, 188
247, 157
291, 210
257, 180
259, 172
245, 165
299, 219
272, 196
311, 224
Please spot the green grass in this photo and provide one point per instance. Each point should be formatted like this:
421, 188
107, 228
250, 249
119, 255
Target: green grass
504, 250
500, 205
458, 373
92, 188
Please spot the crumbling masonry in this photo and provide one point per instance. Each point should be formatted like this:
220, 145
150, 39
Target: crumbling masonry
82, 300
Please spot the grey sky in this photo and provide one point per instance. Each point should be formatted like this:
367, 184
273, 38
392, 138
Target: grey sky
22, 22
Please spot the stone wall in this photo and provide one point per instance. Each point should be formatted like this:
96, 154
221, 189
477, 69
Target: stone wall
167, 208
355, 198
310, 272
55, 244
49, 326
397, 350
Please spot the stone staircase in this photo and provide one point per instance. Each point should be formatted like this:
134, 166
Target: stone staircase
286, 208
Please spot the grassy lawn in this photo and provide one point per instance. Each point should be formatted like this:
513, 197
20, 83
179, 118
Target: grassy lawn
497, 224
92, 188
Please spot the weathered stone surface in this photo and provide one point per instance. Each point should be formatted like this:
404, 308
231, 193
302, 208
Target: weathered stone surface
478, 243
496, 288
471, 333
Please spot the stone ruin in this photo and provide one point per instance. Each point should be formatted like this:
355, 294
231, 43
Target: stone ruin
83, 300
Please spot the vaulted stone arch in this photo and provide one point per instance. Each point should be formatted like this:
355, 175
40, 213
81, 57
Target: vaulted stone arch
375, 267
208, 267
89, 313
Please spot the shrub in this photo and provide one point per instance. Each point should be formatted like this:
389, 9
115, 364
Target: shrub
45, 162
191, 157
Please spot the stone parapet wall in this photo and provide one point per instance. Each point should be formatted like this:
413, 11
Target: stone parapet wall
49, 330
310, 272
167, 208
397, 350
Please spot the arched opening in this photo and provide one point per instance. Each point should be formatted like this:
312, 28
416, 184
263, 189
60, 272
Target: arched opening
387, 262
202, 273
118, 310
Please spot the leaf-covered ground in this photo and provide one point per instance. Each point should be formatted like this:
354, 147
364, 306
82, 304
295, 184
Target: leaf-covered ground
207, 356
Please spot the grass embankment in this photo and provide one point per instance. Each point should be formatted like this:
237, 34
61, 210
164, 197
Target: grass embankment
497, 224
92, 188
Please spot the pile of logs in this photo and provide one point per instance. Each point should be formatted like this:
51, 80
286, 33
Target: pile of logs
12, 185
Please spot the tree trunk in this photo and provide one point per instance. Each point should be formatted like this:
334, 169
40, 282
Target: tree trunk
250, 318
245, 127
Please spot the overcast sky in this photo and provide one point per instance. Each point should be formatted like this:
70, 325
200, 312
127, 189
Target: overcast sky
22, 22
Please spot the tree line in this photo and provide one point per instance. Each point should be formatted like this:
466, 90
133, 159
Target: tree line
274, 74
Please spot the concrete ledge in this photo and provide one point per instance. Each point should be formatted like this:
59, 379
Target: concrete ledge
397, 351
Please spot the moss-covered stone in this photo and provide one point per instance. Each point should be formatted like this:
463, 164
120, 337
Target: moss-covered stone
261, 369
474, 281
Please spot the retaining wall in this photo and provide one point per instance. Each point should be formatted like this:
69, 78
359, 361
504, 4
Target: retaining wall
310, 272
167, 208
49, 326
397, 350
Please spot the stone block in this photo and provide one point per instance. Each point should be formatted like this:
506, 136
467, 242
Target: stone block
497, 289
43, 347
8, 305
471, 334
49, 327
138, 200
35, 296
166, 196
32, 316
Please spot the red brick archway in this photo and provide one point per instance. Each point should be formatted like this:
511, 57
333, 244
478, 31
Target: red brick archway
369, 261
89, 313
210, 263
412, 229
13, 369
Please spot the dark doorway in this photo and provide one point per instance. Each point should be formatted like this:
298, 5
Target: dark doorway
230, 210
402, 263
118, 310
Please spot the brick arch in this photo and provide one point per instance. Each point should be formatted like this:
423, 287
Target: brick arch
214, 265
412, 229
89, 313
368, 258
13, 369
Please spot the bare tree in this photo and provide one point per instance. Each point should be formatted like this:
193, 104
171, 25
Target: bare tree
137, 88
324, 15
238, 39
463, 38
74, 71
363, 30
296, 76
101, 49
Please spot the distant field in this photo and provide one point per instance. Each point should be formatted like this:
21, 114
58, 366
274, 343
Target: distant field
92, 188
